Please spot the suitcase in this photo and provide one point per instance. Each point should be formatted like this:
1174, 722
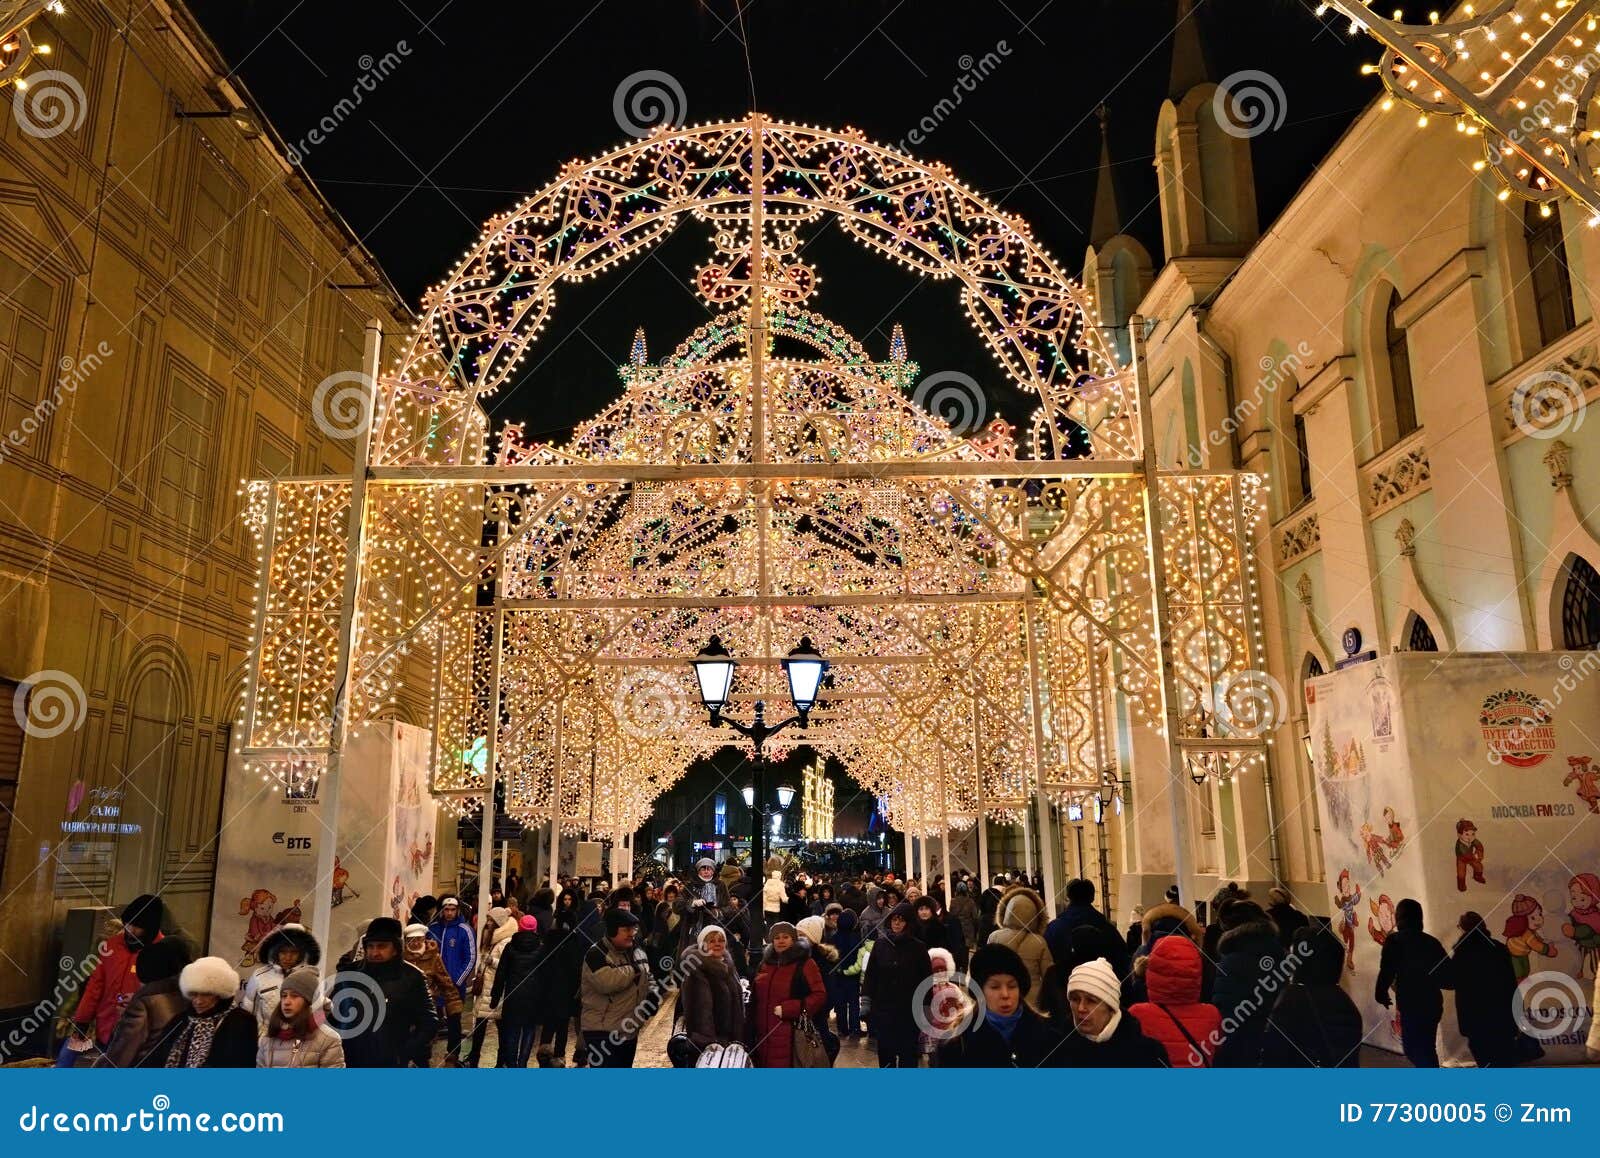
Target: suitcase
724, 1057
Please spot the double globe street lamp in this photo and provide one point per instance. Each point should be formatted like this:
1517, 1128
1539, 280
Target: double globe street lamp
713, 671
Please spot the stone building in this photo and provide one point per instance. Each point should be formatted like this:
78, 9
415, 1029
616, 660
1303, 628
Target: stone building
172, 291
1406, 356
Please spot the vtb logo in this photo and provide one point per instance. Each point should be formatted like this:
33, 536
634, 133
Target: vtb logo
292, 843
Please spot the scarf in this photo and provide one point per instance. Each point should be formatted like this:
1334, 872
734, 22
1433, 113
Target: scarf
194, 1043
1004, 1024
1111, 1027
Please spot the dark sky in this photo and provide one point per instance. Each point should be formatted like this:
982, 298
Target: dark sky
490, 98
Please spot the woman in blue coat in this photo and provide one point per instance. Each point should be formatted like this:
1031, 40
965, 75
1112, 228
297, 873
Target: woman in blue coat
844, 992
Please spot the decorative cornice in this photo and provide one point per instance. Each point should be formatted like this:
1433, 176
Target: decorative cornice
1559, 460
1300, 537
1406, 535
1460, 268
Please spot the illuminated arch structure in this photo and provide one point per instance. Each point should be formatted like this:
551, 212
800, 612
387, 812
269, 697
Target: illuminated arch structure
987, 616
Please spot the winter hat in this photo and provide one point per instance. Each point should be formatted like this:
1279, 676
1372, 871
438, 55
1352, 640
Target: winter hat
906, 911
942, 960
145, 911
499, 915
1172, 894
704, 862
290, 936
700, 939
1463, 824
834, 907
811, 929
996, 959
618, 919
1522, 905
382, 929
529, 923
1097, 979
1277, 896
1236, 913
166, 958
781, 927
209, 975
303, 981
416, 932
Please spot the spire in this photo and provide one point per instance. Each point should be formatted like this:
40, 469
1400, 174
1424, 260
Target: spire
897, 344
1107, 221
638, 356
1188, 53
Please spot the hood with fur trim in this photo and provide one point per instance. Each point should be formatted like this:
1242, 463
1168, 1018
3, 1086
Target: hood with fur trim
1022, 908
296, 936
1259, 931
798, 950
826, 955
1169, 918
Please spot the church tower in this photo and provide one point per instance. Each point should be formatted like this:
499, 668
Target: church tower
1116, 267
1202, 157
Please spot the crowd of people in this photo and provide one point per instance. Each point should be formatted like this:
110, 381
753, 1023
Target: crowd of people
779, 971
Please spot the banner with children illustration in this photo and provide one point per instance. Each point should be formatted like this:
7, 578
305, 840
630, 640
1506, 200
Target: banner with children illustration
1469, 784
268, 847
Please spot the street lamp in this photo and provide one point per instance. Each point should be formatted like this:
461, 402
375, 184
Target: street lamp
1103, 796
713, 670
1205, 763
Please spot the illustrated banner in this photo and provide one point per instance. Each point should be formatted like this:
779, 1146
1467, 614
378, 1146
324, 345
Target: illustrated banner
267, 855
1468, 783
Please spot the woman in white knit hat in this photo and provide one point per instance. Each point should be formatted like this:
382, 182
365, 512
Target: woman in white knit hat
1100, 1036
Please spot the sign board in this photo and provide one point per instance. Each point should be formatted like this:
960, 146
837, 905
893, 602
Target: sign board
588, 858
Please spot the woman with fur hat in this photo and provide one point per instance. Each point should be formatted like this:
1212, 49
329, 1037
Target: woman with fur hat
1005, 1033
213, 1033
115, 980
1249, 974
1173, 1014
144, 1032
518, 993
787, 984
500, 930
1021, 917
897, 966
296, 1037
710, 998
422, 951
284, 949
1102, 1037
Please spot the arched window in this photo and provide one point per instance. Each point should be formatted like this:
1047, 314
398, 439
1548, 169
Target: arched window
1580, 606
1402, 397
1420, 635
1547, 271
1299, 464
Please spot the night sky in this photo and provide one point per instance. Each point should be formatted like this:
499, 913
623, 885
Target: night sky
490, 98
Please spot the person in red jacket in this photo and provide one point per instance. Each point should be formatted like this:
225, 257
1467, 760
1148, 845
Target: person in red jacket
788, 984
114, 980
1188, 1028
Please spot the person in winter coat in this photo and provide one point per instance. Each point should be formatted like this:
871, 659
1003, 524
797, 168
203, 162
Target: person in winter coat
706, 902
280, 952
144, 1032
1249, 975
115, 979
1486, 994
458, 948
937, 929
897, 965
213, 1033
787, 984
500, 928
989, 907
516, 996
710, 998
1281, 910
773, 897
407, 1021
616, 989
1006, 1032
1156, 922
872, 916
1021, 917
844, 989
1080, 913
667, 927
1313, 1022
1414, 964
422, 951
296, 1037
798, 907
1221, 899
563, 966
1173, 1014
965, 910
1101, 1036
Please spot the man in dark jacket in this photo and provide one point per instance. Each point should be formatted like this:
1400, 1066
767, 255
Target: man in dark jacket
1486, 991
1081, 913
1415, 965
897, 965
380, 1004
1314, 1022
1249, 976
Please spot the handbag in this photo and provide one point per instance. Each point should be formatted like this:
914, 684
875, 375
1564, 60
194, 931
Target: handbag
809, 1051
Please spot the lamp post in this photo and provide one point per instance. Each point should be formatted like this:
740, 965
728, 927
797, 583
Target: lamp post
713, 669
1104, 795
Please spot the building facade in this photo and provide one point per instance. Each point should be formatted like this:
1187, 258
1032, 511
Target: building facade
172, 292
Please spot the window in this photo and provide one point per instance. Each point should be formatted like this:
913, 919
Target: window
26, 312
187, 456
213, 224
1420, 637
1301, 465
719, 825
291, 287
1580, 607
1399, 353
1547, 271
